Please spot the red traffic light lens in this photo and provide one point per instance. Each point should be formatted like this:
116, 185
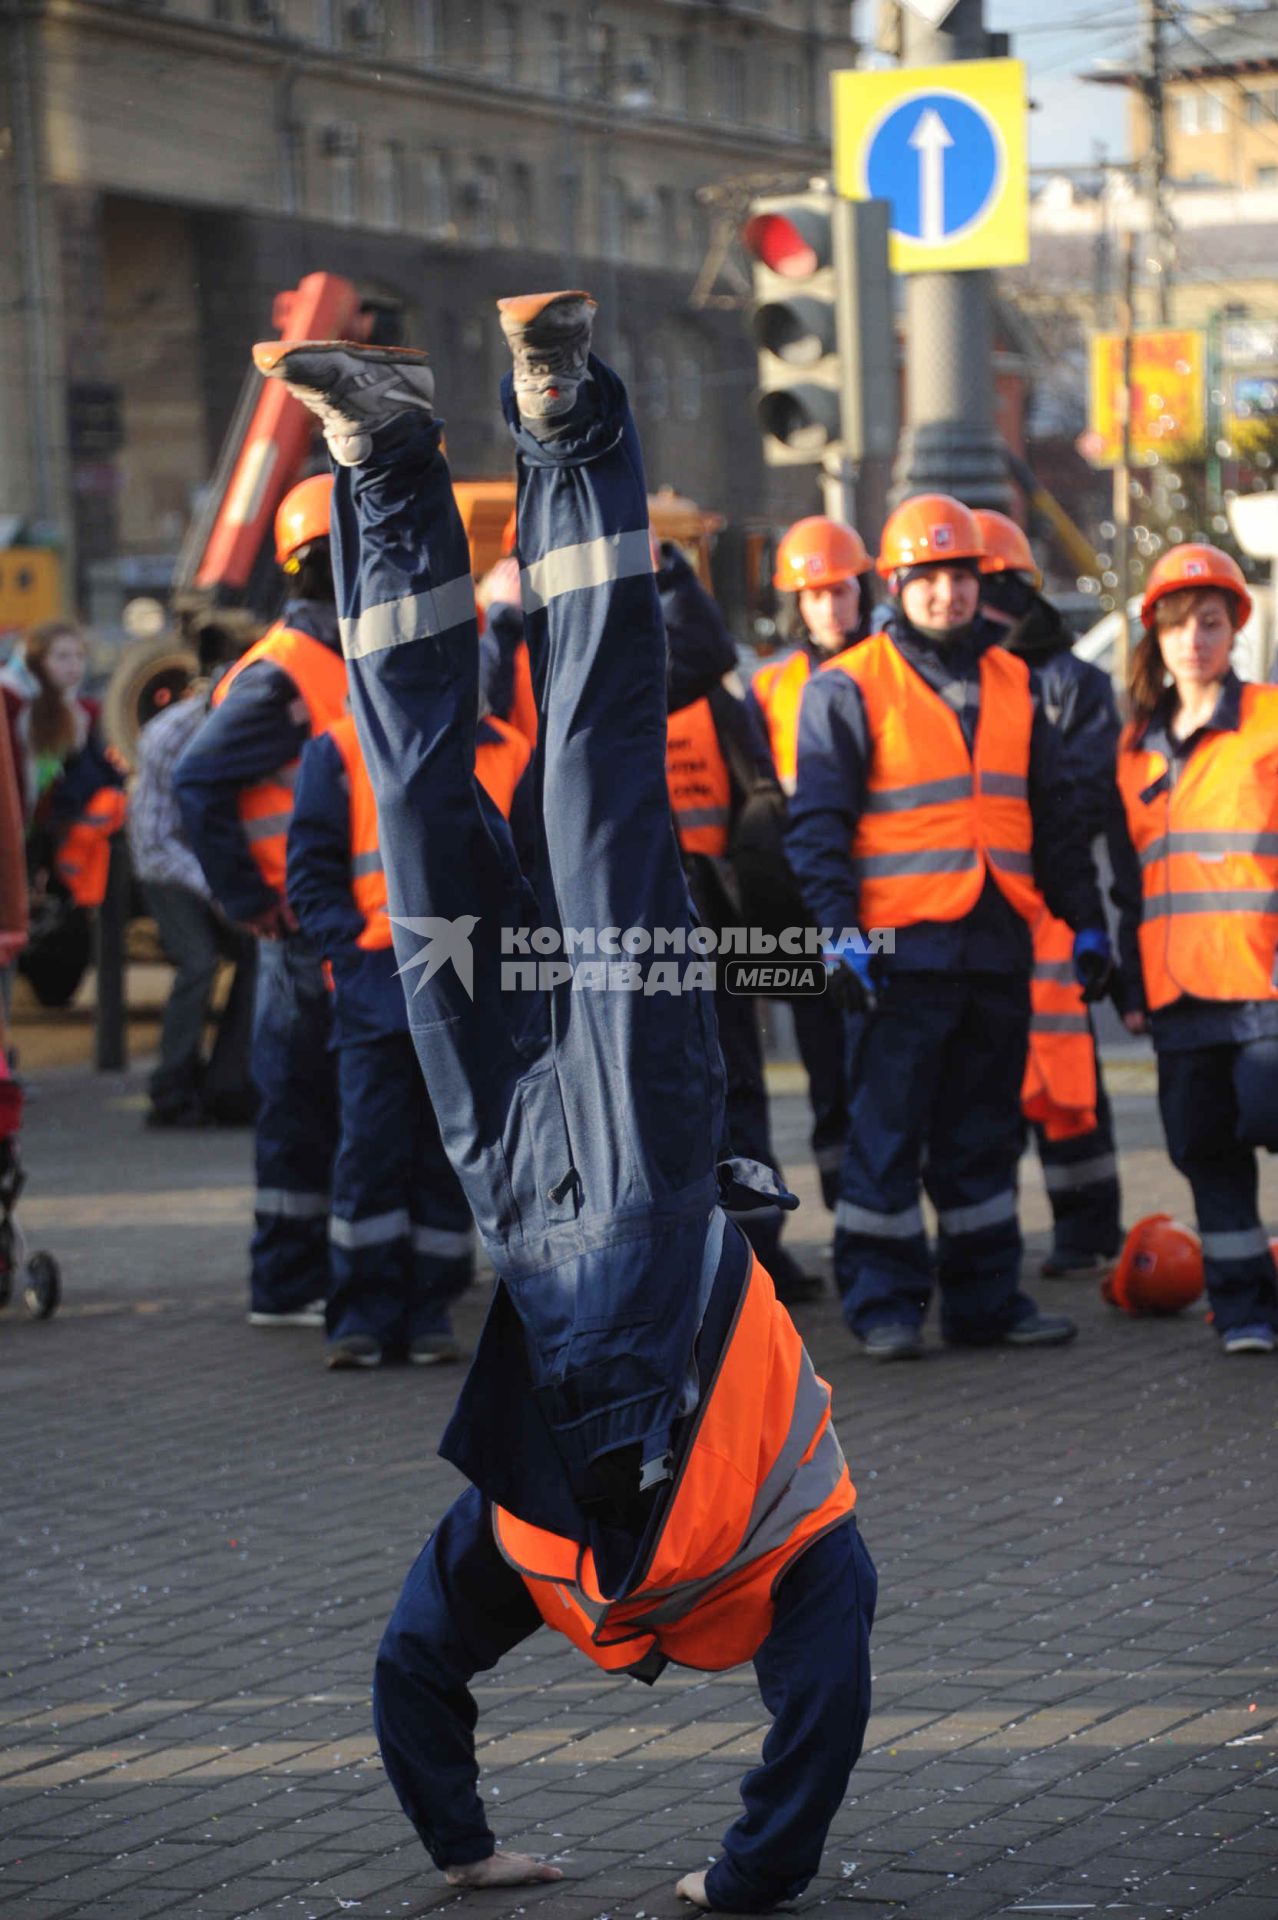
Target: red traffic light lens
778, 243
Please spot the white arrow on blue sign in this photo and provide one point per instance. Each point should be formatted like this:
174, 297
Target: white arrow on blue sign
939, 160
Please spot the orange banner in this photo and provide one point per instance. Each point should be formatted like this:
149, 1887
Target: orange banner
1168, 397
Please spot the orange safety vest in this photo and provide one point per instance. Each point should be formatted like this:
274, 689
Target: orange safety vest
778, 688
698, 779
937, 818
1059, 1088
266, 806
83, 857
1208, 849
762, 1477
498, 766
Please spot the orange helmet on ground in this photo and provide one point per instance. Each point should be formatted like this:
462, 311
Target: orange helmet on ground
817, 552
1006, 548
302, 516
1195, 565
1160, 1269
929, 530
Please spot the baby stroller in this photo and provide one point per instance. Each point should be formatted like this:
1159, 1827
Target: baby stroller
42, 1286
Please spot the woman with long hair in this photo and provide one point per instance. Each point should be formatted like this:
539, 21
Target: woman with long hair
1198, 773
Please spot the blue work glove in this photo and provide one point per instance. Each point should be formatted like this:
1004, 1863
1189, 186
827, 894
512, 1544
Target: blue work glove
852, 986
1093, 962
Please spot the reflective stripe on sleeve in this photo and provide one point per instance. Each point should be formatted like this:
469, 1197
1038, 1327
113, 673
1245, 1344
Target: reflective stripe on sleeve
1060, 1023
689, 817
1059, 970
994, 1212
267, 826
1009, 860
417, 616
366, 863
592, 563
879, 1226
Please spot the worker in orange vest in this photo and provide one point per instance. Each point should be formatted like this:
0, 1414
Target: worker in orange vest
234, 789
653, 1467
1064, 1092
929, 822
826, 566
400, 1237
1198, 772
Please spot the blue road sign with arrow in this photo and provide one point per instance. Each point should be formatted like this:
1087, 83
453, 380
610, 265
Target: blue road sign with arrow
945, 147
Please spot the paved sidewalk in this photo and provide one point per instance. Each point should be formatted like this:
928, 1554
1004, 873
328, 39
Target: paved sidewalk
1076, 1698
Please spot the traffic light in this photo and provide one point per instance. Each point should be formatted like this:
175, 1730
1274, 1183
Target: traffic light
822, 321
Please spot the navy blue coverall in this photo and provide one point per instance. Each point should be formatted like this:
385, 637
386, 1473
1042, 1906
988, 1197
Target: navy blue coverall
400, 1238
260, 727
1217, 1089
583, 1124
935, 1073
1081, 1173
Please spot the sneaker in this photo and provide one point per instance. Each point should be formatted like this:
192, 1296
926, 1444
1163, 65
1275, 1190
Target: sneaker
893, 1340
1257, 1339
353, 1350
1040, 1330
1076, 1266
311, 1315
549, 338
433, 1350
350, 389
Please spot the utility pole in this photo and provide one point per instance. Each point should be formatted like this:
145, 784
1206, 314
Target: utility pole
1155, 167
950, 444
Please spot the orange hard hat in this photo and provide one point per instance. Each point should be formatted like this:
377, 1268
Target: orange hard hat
1195, 565
1006, 548
817, 552
302, 516
1160, 1269
928, 530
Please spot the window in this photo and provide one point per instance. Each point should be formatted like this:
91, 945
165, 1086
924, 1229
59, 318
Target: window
612, 218
668, 233
436, 205
732, 84
677, 79
657, 387
481, 195
656, 63
555, 51
1200, 112
1265, 177
517, 210
505, 41
341, 149
570, 205
1262, 106
791, 98
688, 387
388, 184
428, 16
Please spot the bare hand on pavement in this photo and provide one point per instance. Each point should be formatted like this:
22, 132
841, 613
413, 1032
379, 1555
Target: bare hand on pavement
503, 1870
692, 1888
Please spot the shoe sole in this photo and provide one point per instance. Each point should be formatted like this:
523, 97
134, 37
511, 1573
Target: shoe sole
343, 1362
269, 355
434, 1359
882, 1355
1246, 1346
286, 1319
521, 309
1039, 1340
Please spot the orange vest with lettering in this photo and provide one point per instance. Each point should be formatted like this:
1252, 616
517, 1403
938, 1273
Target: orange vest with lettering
266, 806
1059, 1088
698, 779
762, 1476
937, 817
83, 858
498, 766
778, 688
1208, 850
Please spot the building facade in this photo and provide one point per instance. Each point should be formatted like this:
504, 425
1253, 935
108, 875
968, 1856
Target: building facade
179, 163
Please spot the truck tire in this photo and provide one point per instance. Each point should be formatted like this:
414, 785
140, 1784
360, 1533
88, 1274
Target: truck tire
148, 677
